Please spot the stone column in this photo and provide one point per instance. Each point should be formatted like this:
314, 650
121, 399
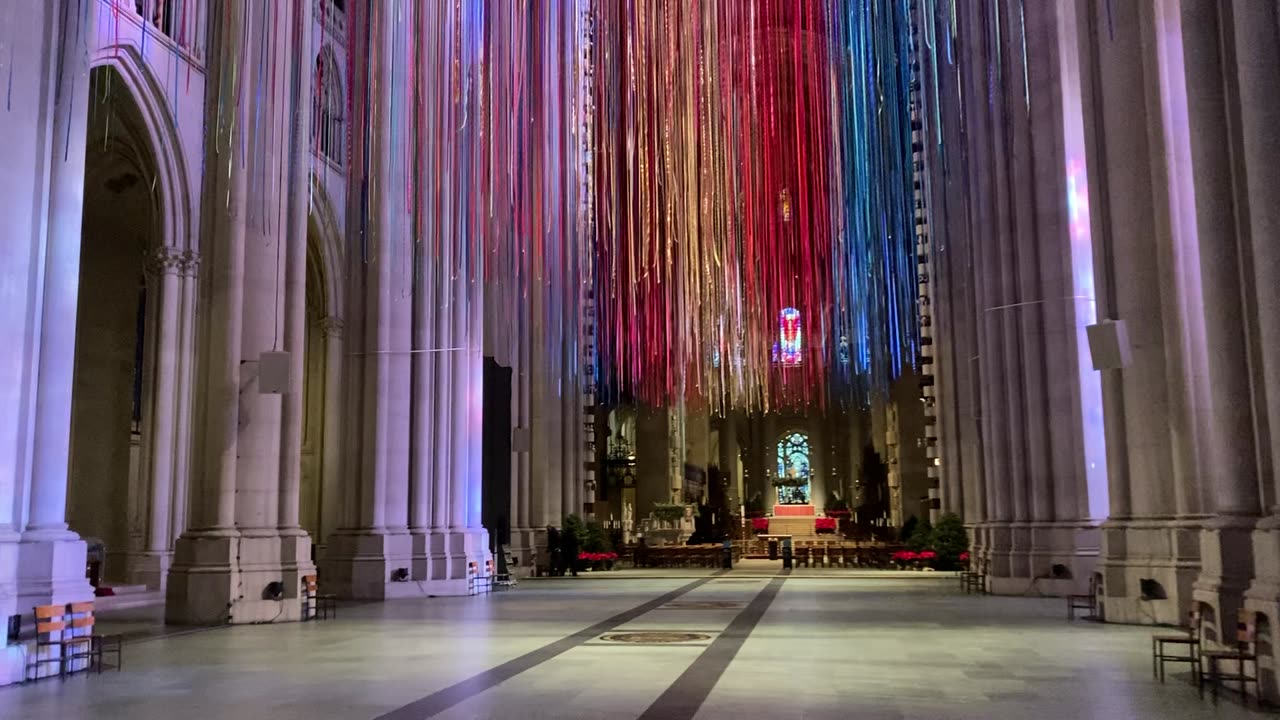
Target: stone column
1226, 544
151, 566
295, 544
199, 588
652, 447
331, 481
698, 439
190, 270
50, 556
728, 462
992, 535
467, 541
446, 341
523, 530
1140, 539
424, 446
225, 564
375, 543
1257, 43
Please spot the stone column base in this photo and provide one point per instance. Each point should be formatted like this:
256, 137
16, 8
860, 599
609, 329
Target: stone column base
1023, 556
295, 561
1263, 598
223, 576
13, 657
51, 570
363, 565
149, 568
524, 552
360, 564
1226, 552
1166, 550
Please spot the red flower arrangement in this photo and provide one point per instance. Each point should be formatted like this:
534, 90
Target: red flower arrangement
598, 557
760, 524
824, 524
904, 556
839, 513
926, 555
964, 556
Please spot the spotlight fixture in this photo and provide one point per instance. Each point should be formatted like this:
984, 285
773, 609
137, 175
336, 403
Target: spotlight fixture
400, 575
273, 591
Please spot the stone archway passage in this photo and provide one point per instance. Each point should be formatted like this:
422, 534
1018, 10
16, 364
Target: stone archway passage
134, 306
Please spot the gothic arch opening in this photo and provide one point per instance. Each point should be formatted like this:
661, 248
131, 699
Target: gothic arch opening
122, 259
314, 500
321, 489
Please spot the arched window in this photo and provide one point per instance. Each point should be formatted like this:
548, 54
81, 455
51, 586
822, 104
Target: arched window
786, 351
794, 469
326, 116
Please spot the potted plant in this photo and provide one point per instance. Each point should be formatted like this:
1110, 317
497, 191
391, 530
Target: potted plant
760, 525
573, 539
926, 559
951, 541
597, 549
824, 525
904, 558
598, 560
668, 513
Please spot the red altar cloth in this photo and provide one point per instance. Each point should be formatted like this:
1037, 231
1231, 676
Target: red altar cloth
793, 511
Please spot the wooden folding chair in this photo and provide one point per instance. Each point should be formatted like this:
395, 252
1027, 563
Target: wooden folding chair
87, 645
1244, 652
1188, 637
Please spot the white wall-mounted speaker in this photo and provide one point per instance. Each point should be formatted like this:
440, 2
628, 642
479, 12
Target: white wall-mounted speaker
273, 373
1109, 345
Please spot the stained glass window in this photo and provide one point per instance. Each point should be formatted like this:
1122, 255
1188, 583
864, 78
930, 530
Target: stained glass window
787, 350
793, 469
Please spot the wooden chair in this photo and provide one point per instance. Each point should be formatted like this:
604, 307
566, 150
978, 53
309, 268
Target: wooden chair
1242, 653
315, 605
64, 634
52, 629
1188, 637
1084, 602
87, 645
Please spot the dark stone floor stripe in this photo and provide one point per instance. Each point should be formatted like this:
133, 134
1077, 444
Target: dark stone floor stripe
682, 700
442, 700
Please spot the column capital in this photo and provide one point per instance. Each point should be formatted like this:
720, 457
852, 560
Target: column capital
190, 263
331, 326
164, 260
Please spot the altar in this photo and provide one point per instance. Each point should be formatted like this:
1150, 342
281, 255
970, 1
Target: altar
794, 510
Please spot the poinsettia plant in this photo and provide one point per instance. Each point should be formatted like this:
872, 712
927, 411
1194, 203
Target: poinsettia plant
824, 525
598, 556
760, 524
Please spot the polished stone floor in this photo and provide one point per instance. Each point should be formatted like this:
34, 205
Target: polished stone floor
749, 644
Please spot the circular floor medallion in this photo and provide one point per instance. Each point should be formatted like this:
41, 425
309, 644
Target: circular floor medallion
657, 637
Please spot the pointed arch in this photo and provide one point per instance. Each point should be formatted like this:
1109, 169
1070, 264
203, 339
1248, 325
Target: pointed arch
161, 130
323, 225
